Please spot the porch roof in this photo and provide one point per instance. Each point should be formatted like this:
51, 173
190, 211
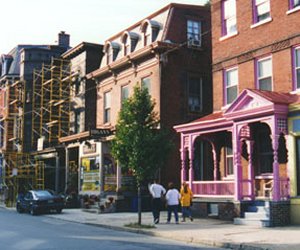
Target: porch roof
250, 103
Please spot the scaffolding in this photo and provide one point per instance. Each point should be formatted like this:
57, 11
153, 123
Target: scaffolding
51, 103
19, 175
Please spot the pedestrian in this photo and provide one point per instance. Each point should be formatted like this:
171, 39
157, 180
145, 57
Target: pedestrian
172, 197
186, 201
157, 191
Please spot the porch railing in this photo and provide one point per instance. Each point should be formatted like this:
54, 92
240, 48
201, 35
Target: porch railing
213, 188
284, 188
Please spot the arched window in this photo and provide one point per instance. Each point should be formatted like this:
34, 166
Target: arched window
150, 30
111, 50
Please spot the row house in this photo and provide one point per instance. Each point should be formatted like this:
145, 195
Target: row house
82, 148
167, 52
16, 81
247, 151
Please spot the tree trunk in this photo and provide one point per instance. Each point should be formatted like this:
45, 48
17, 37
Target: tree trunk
139, 204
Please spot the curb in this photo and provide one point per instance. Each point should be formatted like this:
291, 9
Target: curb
229, 245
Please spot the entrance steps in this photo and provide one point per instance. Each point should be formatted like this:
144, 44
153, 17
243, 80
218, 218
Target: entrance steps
257, 214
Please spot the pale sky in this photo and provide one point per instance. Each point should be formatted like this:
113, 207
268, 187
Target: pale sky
40, 21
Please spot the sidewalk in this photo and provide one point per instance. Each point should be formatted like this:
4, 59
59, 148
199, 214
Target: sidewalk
204, 231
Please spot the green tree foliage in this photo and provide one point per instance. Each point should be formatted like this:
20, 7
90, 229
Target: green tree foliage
140, 144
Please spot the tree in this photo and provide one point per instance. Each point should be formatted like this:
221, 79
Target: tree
139, 144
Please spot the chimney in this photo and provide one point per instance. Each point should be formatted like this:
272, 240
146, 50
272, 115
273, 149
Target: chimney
63, 39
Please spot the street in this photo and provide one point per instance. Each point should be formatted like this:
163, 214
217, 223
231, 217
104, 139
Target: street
23, 231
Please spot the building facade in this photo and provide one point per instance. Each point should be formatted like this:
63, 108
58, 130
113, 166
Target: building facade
81, 146
16, 89
169, 53
246, 150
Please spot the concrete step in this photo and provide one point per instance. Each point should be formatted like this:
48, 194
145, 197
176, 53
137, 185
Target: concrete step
243, 221
258, 215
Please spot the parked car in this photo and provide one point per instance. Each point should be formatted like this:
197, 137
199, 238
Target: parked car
39, 201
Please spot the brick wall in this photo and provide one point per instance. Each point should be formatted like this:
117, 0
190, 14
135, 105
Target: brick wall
279, 213
275, 38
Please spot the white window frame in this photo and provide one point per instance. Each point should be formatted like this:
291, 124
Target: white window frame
229, 158
123, 96
107, 107
230, 84
296, 67
146, 83
229, 15
258, 4
260, 77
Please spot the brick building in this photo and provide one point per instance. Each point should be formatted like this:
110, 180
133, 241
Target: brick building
16, 81
245, 152
168, 52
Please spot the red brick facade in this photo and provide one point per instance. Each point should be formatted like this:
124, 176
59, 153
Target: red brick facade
275, 38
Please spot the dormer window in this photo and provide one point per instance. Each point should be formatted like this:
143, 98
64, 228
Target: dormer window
129, 41
111, 50
150, 30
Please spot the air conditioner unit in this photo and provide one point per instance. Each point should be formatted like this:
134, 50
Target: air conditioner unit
194, 43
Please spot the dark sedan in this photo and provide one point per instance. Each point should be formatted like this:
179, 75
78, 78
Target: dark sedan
39, 201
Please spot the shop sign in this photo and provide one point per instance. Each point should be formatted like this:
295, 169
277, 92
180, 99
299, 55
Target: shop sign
89, 148
100, 133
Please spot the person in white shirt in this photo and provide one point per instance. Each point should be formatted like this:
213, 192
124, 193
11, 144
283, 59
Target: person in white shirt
172, 197
157, 191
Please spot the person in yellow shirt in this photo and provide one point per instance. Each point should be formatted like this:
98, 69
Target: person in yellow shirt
186, 201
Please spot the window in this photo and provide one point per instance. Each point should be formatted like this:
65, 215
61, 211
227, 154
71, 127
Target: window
124, 93
231, 85
147, 35
294, 4
146, 83
194, 33
126, 44
108, 54
150, 30
195, 94
261, 10
296, 64
265, 151
229, 160
229, 17
107, 103
111, 50
77, 121
264, 74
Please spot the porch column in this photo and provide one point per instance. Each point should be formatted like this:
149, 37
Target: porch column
236, 144
183, 164
191, 162
216, 163
276, 178
250, 169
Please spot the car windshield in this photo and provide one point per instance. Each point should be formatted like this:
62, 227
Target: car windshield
42, 194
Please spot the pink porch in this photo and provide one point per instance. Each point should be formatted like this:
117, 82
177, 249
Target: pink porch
238, 126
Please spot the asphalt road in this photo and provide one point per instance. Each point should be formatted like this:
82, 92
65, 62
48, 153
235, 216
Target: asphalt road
26, 232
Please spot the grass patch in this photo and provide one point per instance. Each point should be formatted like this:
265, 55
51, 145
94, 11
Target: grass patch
142, 226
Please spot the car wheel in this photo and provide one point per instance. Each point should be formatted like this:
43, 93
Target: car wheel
19, 209
58, 210
32, 211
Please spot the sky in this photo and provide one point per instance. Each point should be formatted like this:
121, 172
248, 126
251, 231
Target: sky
40, 21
